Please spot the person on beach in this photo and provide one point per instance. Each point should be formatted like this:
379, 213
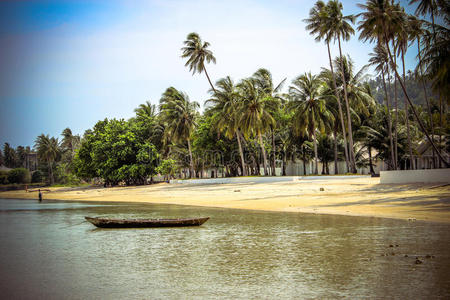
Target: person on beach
40, 195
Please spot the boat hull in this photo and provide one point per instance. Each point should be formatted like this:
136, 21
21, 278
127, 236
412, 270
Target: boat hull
145, 223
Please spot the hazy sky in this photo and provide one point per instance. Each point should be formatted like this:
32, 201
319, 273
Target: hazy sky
72, 63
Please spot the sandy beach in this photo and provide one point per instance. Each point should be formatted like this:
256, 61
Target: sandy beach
349, 196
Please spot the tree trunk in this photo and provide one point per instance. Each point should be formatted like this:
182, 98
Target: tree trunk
422, 127
209, 80
241, 153
372, 171
349, 120
316, 159
336, 169
395, 125
391, 144
413, 167
341, 115
426, 99
273, 154
264, 154
304, 161
50, 172
191, 171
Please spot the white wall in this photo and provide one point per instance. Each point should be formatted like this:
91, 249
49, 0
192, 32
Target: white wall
413, 176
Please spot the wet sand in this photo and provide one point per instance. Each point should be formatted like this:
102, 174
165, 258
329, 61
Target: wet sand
349, 196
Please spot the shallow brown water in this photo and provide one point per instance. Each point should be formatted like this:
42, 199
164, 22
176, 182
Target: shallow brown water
46, 252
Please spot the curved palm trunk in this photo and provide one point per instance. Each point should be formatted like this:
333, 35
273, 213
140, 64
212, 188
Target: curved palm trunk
191, 171
430, 115
341, 115
264, 153
369, 150
209, 80
316, 159
349, 120
412, 166
241, 153
391, 144
336, 169
395, 125
422, 127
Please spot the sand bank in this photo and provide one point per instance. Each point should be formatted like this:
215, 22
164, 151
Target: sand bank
349, 196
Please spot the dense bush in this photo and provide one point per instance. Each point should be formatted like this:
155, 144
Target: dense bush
36, 177
4, 177
19, 175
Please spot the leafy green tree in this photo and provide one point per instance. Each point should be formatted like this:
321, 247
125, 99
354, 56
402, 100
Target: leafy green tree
168, 168
114, 152
19, 175
10, 156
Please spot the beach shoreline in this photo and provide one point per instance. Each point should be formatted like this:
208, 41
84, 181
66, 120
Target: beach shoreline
349, 196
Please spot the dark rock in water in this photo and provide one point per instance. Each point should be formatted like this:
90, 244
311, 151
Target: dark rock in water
391, 246
406, 255
393, 254
418, 261
429, 256
396, 245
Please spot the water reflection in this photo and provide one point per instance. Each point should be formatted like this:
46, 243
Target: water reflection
49, 252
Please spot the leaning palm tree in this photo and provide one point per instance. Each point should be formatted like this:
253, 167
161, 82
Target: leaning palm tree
197, 52
224, 107
307, 103
255, 117
379, 20
179, 115
48, 149
416, 31
379, 59
318, 25
339, 27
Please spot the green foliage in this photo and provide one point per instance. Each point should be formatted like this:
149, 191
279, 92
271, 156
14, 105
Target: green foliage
115, 152
37, 176
168, 167
19, 175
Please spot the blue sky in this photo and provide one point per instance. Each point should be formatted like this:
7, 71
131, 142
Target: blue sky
72, 63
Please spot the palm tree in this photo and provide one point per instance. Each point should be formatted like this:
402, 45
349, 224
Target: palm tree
179, 114
416, 31
255, 116
146, 111
379, 59
264, 82
225, 105
48, 149
196, 51
318, 24
339, 27
379, 20
307, 102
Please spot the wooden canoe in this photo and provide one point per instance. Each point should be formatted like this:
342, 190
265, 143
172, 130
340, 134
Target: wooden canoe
143, 223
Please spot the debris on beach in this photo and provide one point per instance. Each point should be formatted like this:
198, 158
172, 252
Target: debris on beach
237, 191
322, 189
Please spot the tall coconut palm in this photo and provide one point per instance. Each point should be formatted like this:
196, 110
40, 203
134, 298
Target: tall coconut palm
379, 20
179, 115
339, 27
48, 149
264, 82
379, 59
416, 31
146, 111
319, 25
197, 52
224, 107
255, 117
307, 103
